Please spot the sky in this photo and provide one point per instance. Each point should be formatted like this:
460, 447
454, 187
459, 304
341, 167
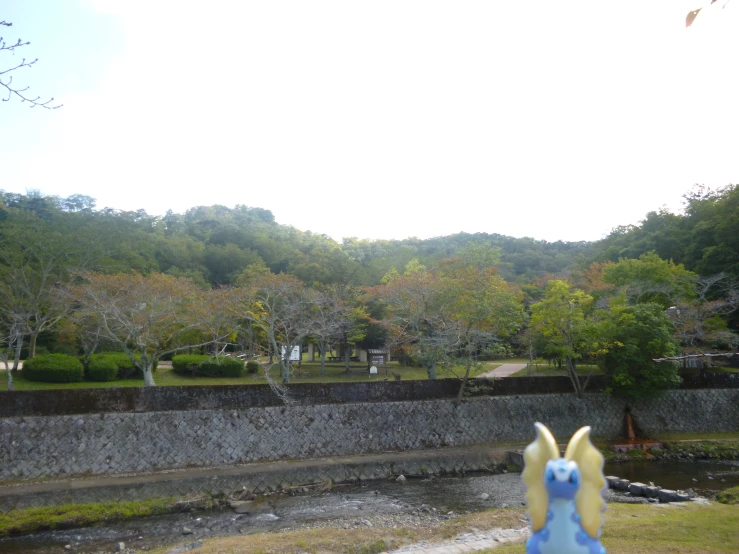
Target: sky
383, 119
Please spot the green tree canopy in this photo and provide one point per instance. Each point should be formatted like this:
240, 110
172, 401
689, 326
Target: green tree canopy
639, 335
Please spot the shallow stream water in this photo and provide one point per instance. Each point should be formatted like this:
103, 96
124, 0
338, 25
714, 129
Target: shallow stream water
437, 496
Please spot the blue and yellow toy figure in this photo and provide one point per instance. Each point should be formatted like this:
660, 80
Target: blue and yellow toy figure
564, 494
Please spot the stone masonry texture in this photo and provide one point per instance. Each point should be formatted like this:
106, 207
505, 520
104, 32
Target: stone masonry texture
110, 443
226, 397
258, 478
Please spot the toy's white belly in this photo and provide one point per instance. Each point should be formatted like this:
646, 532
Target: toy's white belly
562, 530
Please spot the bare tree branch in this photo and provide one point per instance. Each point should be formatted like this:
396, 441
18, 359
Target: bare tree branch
8, 81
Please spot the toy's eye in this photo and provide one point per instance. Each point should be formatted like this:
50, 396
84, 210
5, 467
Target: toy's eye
573, 478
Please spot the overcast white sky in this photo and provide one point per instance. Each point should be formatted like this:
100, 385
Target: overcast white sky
381, 119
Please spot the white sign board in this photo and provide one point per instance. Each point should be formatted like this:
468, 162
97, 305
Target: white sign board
294, 355
373, 369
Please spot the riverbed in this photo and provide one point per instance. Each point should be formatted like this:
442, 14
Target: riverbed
388, 503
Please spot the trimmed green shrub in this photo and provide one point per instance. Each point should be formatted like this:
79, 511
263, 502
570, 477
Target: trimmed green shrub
126, 368
252, 367
54, 368
102, 368
221, 366
187, 364
199, 365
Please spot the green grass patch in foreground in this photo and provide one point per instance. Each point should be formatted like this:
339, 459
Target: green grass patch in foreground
729, 496
655, 529
30, 520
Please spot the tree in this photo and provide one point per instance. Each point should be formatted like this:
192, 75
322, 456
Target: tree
564, 320
639, 334
352, 329
414, 313
146, 316
37, 259
281, 307
700, 317
482, 310
6, 80
337, 317
698, 306
650, 279
11, 337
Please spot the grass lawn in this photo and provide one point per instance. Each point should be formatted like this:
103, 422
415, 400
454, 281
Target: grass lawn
699, 437
648, 529
21, 522
545, 370
310, 372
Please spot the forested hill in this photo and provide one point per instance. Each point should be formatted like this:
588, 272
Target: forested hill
214, 244
705, 238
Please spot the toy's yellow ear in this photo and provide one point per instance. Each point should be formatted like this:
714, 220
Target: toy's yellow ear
535, 457
588, 499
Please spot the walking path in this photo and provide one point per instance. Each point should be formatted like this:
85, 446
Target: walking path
504, 370
469, 542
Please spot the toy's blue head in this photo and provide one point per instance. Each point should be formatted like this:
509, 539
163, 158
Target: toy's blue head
562, 478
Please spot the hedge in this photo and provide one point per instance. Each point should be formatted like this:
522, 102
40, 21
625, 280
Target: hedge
126, 368
221, 366
54, 368
102, 368
252, 367
187, 364
198, 365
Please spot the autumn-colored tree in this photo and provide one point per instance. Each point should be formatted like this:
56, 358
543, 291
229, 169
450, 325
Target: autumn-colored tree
281, 307
146, 316
482, 310
592, 280
414, 314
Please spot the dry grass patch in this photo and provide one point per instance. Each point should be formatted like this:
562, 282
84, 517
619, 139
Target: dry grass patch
632, 529
357, 541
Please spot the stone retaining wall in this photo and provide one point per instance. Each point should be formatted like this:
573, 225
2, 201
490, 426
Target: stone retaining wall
98, 444
226, 397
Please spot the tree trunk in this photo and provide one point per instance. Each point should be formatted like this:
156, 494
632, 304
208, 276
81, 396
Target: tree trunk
431, 370
285, 368
347, 353
464, 383
323, 361
9, 374
148, 374
17, 356
32, 345
572, 374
